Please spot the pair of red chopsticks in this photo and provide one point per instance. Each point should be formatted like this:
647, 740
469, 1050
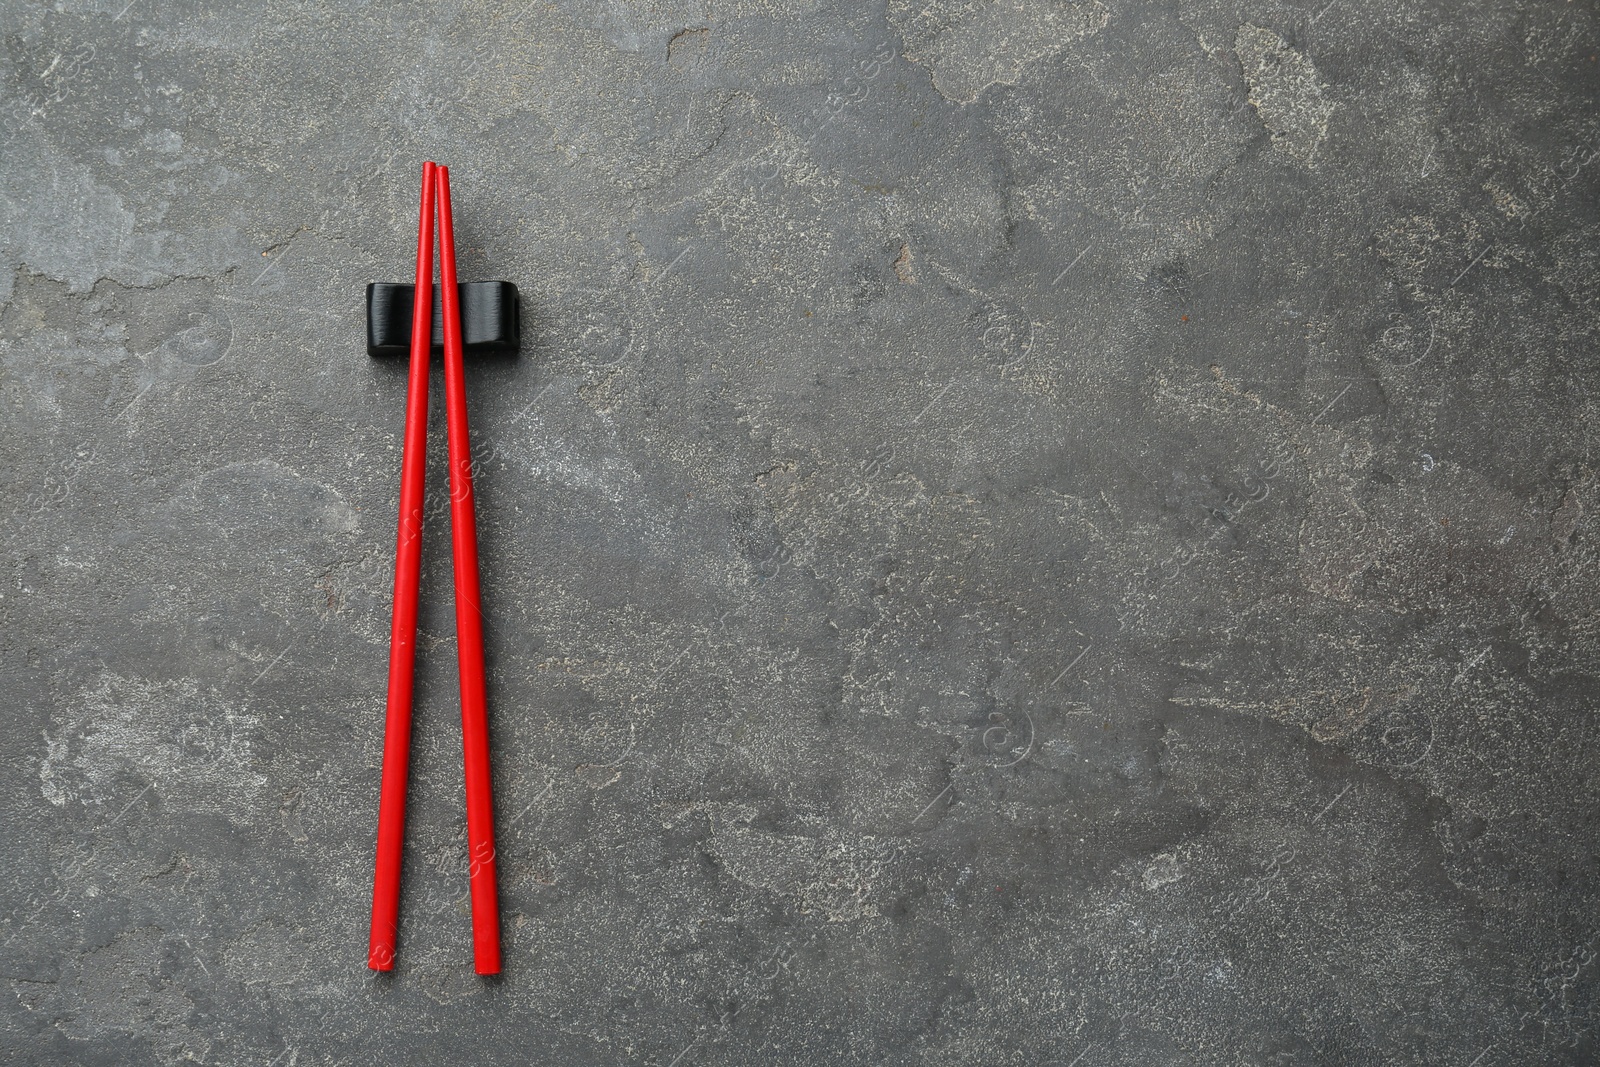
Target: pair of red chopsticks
469, 620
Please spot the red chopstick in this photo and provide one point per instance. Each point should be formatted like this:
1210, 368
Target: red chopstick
469, 616
403, 627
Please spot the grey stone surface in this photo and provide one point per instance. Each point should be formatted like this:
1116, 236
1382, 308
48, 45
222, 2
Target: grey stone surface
1024, 533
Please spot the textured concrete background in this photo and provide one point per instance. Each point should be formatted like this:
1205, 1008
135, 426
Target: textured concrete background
1029, 533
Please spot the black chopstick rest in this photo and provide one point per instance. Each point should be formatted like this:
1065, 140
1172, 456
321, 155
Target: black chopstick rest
491, 319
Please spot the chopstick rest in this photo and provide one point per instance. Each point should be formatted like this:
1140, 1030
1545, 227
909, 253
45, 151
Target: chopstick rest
491, 319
